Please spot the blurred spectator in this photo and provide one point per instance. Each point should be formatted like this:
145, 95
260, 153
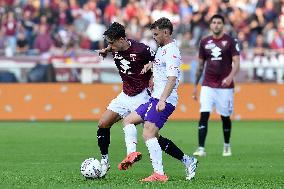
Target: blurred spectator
2, 42
131, 10
147, 39
259, 24
281, 18
278, 42
260, 46
95, 32
43, 41
110, 12
28, 23
10, 28
22, 43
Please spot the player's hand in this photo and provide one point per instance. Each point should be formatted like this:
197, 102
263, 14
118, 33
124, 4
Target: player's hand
194, 93
147, 67
227, 81
104, 52
160, 106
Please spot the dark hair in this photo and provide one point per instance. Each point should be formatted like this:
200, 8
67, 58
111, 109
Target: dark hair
163, 23
115, 31
218, 16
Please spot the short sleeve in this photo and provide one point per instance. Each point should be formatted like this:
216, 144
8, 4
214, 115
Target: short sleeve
173, 62
148, 54
235, 48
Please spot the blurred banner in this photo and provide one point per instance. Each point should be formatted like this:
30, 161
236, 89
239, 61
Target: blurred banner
67, 102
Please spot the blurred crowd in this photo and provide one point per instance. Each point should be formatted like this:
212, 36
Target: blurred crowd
33, 27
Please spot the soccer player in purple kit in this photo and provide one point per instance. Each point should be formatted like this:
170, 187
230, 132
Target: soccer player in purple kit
220, 52
130, 58
154, 113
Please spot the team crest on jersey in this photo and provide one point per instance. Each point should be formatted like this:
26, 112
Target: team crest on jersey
164, 52
224, 43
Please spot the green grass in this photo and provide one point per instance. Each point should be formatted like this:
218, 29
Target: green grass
49, 154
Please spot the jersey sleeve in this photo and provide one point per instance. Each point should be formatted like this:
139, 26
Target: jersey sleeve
173, 62
235, 48
148, 54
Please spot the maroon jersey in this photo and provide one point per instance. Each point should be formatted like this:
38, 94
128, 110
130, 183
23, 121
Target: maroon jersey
218, 55
130, 63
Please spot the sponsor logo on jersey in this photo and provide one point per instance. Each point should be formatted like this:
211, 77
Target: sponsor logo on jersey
210, 46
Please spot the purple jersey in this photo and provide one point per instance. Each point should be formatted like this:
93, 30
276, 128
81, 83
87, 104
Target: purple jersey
218, 54
130, 63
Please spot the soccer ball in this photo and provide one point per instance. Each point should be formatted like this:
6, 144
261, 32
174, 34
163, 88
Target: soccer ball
91, 168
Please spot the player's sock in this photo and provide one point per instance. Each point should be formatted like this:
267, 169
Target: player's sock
155, 155
227, 127
186, 160
170, 148
105, 157
103, 135
202, 128
130, 132
226, 145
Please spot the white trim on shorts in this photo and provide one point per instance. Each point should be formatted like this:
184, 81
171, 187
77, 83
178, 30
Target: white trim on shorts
221, 99
124, 104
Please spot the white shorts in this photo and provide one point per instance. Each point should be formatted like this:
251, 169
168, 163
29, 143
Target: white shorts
124, 104
222, 99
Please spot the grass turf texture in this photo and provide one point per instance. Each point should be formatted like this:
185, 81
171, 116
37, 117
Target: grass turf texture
49, 154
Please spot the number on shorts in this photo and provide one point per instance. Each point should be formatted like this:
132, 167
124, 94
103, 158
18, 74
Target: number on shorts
149, 107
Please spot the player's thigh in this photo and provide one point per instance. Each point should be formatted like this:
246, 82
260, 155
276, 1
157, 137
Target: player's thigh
158, 118
225, 102
108, 119
132, 118
206, 99
120, 105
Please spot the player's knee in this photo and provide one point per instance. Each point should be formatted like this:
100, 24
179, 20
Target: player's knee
126, 121
204, 117
103, 124
225, 118
148, 133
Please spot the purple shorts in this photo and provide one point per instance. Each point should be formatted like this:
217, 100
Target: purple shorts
148, 112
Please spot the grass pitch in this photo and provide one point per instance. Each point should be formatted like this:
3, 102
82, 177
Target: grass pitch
49, 154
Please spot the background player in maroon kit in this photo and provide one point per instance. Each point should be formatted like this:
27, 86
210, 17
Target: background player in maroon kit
130, 58
220, 52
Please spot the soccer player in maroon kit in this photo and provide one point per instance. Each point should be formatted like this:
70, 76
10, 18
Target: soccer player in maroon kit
220, 52
130, 57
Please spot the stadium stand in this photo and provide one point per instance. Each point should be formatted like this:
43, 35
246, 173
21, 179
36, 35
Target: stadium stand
41, 31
